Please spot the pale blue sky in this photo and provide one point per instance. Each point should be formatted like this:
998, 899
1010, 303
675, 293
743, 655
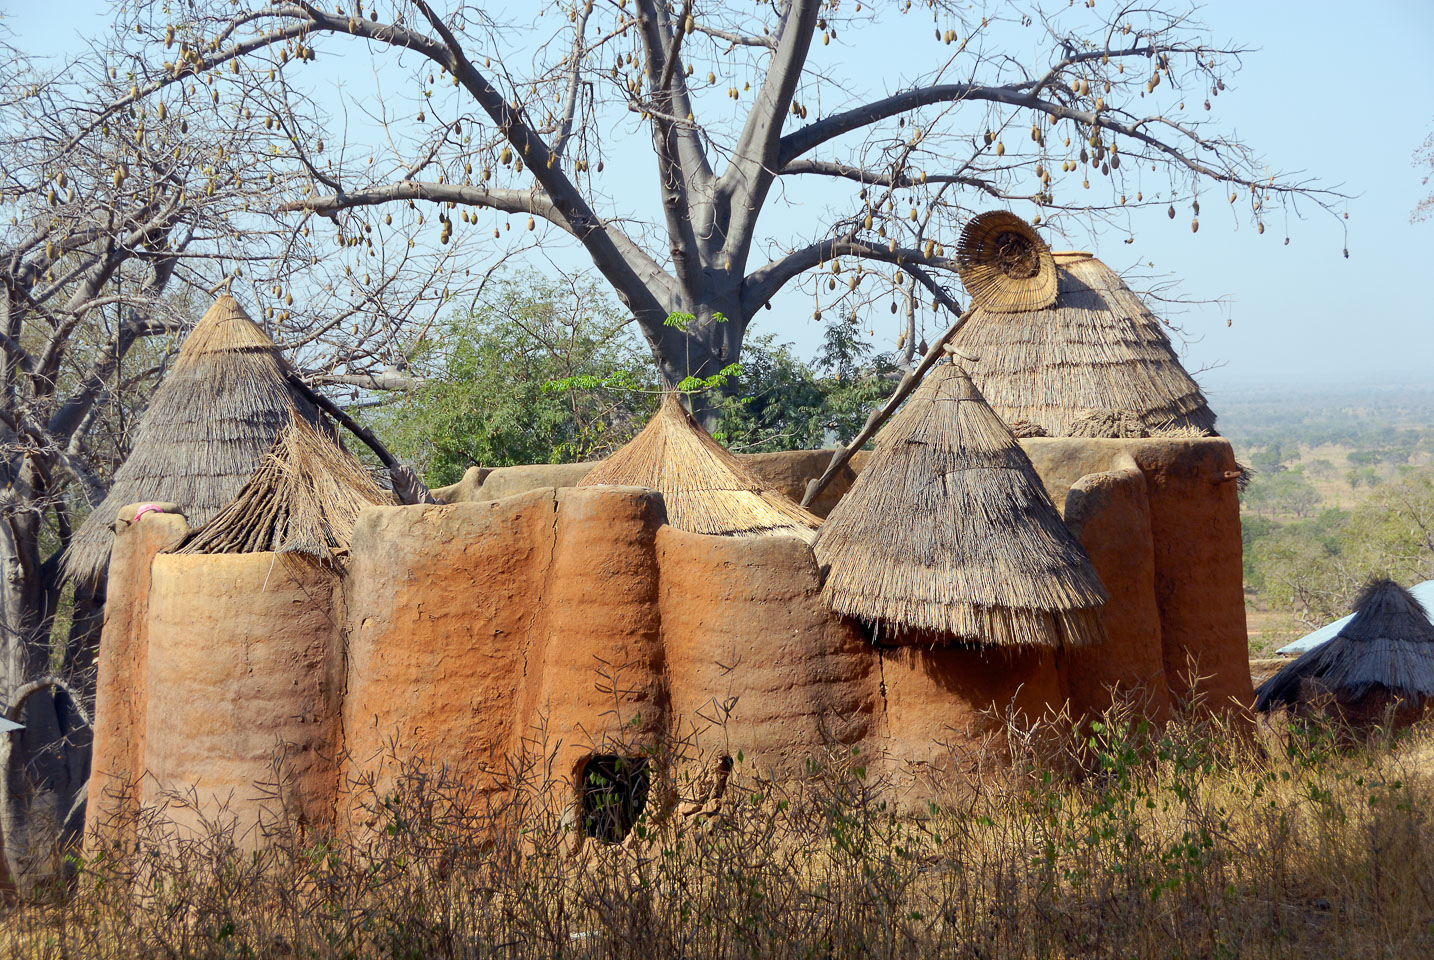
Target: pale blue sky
1342, 91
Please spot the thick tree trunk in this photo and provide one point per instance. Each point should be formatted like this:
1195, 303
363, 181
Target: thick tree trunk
83, 644
706, 348
24, 605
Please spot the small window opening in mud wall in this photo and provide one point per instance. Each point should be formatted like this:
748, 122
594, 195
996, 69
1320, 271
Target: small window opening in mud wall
614, 793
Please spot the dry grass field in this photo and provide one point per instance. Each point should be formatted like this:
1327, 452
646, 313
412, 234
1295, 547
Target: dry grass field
1211, 838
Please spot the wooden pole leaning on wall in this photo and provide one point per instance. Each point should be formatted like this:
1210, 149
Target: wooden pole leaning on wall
1006, 267
880, 415
406, 484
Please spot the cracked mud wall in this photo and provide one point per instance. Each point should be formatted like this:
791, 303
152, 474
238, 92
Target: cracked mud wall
244, 678
117, 763
755, 662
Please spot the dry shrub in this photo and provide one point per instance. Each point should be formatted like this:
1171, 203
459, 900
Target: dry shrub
1201, 839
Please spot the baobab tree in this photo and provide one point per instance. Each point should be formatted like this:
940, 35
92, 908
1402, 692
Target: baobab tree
501, 119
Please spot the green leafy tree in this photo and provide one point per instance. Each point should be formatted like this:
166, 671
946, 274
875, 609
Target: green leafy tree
538, 371
781, 403
1315, 567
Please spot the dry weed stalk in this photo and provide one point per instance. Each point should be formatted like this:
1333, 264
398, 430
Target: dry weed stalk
1116, 840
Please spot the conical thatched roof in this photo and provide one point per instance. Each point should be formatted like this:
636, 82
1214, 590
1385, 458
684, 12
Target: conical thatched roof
304, 498
706, 488
948, 530
1388, 646
1096, 352
209, 423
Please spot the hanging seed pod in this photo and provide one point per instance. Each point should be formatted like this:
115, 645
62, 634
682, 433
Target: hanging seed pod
1000, 149
1195, 225
531, 223
505, 157
1172, 211
1260, 227
1196, 207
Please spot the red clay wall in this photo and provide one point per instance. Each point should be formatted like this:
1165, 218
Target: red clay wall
1196, 547
441, 602
594, 680
755, 662
118, 755
945, 706
552, 621
244, 666
1110, 513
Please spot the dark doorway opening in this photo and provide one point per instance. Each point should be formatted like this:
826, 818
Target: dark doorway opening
614, 794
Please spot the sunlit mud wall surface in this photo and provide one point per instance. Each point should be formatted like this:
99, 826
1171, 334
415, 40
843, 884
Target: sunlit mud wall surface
526, 620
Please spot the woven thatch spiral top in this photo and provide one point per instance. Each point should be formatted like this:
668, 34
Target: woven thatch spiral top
1004, 264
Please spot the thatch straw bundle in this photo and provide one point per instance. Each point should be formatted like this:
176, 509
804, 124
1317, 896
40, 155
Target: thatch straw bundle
1096, 351
948, 531
706, 488
210, 422
1386, 651
304, 498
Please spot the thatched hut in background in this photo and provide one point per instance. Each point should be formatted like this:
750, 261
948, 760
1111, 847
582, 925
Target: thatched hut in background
706, 488
210, 422
304, 498
949, 534
1095, 363
1381, 661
